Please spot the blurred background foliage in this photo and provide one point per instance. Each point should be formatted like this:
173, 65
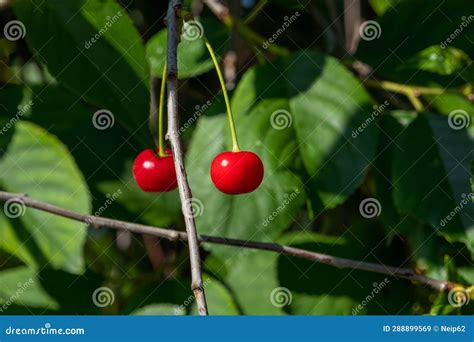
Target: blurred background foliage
413, 163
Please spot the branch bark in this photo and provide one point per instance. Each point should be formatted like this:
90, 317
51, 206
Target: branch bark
173, 22
174, 235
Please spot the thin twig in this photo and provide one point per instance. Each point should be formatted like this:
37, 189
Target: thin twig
174, 235
352, 23
173, 22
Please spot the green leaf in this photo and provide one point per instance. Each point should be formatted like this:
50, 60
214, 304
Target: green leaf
39, 165
93, 49
382, 6
21, 287
455, 105
390, 126
249, 216
253, 278
443, 23
219, 299
14, 241
431, 178
100, 154
326, 104
267, 283
326, 290
435, 59
193, 57
159, 310
467, 273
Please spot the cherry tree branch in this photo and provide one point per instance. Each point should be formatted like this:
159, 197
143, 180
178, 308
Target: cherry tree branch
174, 30
174, 235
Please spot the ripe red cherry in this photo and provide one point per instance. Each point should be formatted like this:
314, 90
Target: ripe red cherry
237, 172
154, 173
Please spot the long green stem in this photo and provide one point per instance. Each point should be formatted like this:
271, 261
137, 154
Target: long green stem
411, 92
230, 116
161, 136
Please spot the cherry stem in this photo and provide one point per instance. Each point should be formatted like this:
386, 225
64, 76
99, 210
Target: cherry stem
230, 116
161, 136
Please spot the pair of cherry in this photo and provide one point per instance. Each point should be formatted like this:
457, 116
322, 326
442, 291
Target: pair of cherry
236, 172
231, 172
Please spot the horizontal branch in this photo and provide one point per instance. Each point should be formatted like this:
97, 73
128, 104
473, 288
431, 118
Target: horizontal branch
174, 235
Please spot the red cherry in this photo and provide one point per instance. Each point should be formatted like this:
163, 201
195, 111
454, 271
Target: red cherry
237, 172
154, 173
